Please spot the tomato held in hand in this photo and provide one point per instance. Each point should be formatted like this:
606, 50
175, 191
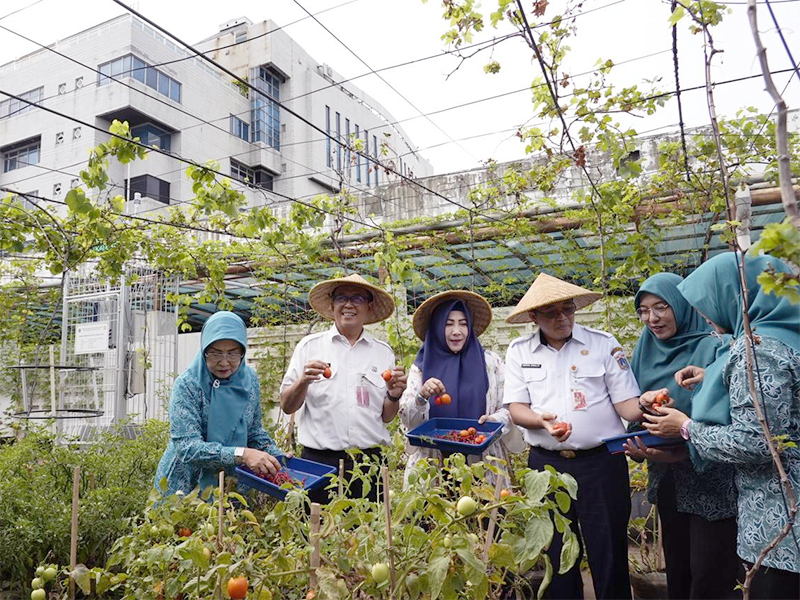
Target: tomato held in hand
560, 428
446, 399
437, 400
661, 399
387, 375
237, 588
327, 373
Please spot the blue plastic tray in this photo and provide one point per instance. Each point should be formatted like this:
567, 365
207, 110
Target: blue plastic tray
425, 435
614, 444
313, 474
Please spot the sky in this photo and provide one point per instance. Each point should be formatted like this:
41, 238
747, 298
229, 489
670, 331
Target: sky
456, 115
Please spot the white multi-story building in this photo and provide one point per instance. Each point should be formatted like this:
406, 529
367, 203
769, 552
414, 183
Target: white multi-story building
282, 140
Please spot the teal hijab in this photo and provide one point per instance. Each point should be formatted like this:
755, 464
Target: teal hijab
714, 290
228, 397
655, 361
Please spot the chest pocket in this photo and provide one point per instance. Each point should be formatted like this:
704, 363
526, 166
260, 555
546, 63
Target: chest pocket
534, 376
594, 371
374, 379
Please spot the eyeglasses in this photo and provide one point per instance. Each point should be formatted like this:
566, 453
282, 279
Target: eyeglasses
567, 311
233, 356
357, 299
658, 310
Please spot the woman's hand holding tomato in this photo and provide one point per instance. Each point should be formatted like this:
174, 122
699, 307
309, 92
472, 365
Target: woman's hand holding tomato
434, 389
667, 424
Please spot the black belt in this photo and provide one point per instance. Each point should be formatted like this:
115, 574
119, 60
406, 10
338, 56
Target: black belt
597, 450
319, 455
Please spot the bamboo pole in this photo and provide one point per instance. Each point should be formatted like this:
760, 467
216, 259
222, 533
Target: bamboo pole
221, 509
53, 404
387, 505
492, 520
341, 477
73, 538
314, 564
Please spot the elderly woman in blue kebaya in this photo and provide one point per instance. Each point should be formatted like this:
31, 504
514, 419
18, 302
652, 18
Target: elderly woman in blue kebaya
215, 413
724, 426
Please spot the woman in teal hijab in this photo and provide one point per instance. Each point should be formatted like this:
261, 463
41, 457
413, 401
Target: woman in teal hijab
695, 509
215, 413
724, 428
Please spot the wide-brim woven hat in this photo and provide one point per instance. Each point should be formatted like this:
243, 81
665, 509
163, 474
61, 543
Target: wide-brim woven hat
478, 305
545, 290
320, 297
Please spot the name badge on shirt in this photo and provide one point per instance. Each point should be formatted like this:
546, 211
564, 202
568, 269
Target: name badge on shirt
362, 396
531, 366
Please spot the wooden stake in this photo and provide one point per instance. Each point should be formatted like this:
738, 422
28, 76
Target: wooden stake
73, 541
341, 477
314, 565
221, 508
387, 504
492, 520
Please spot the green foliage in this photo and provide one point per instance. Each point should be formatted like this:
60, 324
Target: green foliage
781, 240
36, 495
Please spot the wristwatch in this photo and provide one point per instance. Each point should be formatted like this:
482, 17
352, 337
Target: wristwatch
685, 433
392, 398
421, 400
238, 453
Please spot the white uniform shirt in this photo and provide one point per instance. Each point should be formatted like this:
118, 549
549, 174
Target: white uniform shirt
591, 367
344, 411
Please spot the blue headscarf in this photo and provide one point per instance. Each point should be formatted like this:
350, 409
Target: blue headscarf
714, 290
655, 361
463, 374
228, 397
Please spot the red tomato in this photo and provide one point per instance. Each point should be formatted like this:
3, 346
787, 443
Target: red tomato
387, 375
464, 433
504, 494
184, 532
472, 430
661, 399
237, 588
437, 400
327, 373
446, 399
560, 428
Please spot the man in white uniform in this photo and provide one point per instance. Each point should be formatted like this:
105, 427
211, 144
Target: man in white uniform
568, 385
336, 379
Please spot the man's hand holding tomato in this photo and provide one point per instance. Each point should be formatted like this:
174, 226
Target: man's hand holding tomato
656, 398
558, 429
396, 383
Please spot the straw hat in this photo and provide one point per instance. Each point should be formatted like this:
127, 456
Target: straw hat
320, 297
545, 290
481, 311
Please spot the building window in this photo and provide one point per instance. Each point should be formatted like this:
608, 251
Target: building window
241, 37
21, 154
152, 135
133, 66
358, 159
366, 154
265, 119
329, 159
149, 187
12, 106
255, 176
375, 154
239, 128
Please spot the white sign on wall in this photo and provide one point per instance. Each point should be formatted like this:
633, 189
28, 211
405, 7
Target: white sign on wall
91, 338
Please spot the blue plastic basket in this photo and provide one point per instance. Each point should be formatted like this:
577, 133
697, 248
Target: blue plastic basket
312, 474
614, 444
425, 435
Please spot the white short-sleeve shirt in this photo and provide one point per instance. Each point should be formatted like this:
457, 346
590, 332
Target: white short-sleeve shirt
590, 368
344, 411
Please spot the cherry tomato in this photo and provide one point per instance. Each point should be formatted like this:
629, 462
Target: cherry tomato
237, 588
387, 375
327, 373
446, 399
504, 494
661, 399
560, 428
184, 532
464, 433
437, 400
472, 430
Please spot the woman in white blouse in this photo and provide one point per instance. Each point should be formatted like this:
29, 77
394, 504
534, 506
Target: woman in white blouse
453, 376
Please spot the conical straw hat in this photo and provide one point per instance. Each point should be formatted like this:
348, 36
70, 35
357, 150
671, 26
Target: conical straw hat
478, 305
545, 290
321, 300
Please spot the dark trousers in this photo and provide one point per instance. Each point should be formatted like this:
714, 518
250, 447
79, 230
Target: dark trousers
601, 512
774, 584
355, 489
700, 554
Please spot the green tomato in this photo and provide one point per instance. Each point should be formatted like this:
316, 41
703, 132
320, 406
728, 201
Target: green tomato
49, 574
37, 583
380, 572
447, 541
40, 569
39, 594
208, 529
466, 506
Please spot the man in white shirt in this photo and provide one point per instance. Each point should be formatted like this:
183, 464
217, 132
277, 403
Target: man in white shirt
337, 379
569, 386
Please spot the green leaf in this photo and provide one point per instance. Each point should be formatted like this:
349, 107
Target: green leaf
437, 572
536, 485
569, 552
